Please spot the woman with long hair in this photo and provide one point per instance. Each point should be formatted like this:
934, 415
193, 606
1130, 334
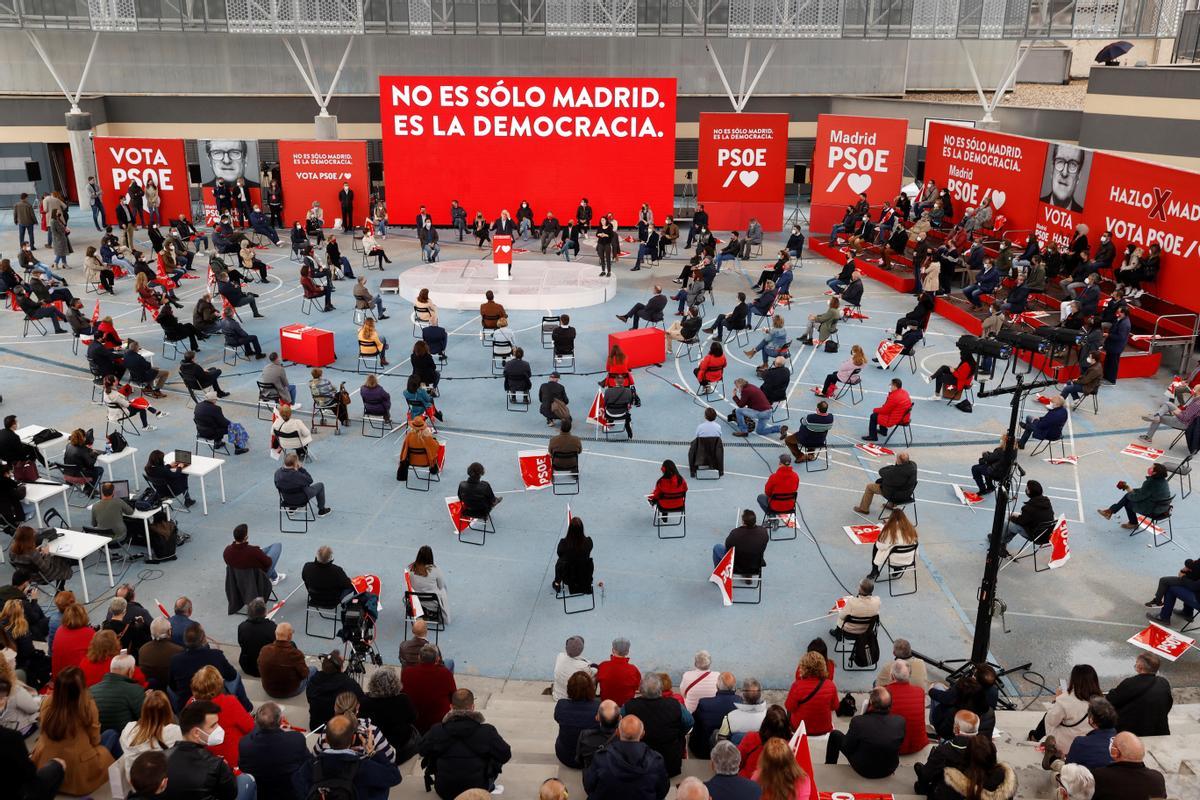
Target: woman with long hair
72, 638
773, 726
418, 398
574, 557
481, 230
25, 553
897, 531
424, 309
154, 729
670, 490
167, 479
427, 577
982, 777
16, 635
422, 364
207, 684
780, 777
119, 406
711, 368
54, 615
367, 334
856, 361
952, 382
70, 726
1066, 719
95, 271
21, 702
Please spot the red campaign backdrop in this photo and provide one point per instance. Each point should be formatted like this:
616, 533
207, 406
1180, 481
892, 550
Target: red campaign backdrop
315, 170
119, 159
210, 205
852, 155
743, 169
492, 142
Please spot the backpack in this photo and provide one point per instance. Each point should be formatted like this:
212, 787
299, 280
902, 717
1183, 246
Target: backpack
117, 442
333, 787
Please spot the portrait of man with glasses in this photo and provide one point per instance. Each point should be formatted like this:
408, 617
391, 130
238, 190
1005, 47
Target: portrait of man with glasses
228, 159
1064, 181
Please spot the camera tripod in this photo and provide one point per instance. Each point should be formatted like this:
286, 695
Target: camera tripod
357, 655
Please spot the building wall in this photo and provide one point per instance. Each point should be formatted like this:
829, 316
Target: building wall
1145, 112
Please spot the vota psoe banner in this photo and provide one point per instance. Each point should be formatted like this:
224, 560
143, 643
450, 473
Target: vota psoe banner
121, 159
316, 171
973, 164
492, 142
743, 169
1145, 204
855, 155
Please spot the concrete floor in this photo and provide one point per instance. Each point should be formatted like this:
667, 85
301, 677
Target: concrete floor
506, 621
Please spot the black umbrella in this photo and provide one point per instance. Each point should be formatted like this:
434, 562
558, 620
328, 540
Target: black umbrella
1112, 52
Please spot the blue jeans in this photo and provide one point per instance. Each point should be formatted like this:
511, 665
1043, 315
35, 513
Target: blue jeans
680, 296
247, 789
767, 352
112, 742
98, 217
22, 232
431, 252
719, 552
1072, 390
155, 218
565, 250
972, 293
1013, 531
1187, 596
643, 251
835, 285
722, 258
381, 226
523, 228
42, 268
235, 688
762, 421
292, 392
273, 551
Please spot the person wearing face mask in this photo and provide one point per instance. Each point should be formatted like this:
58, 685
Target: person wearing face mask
346, 201
428, 237
1114, 344
193, 770
524, 220
1088, 382
1105, 254
1035, 521
1145, 499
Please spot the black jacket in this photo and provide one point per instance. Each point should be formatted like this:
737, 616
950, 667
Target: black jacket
654, 308
1128, 780
993, 460
898, 481
950, 753
517, 374
210, 420
373, 777
193, 773
853, 293
564, 340
1143, 702
322, 690
750, 544
736, 319
872, 743
253, 635
1037, 517
326, 584
273, 757
464, 752
548, 392
477, 498
663, 719
626, 771
393, 716
709, 714
291, 484
775, 383
188, 662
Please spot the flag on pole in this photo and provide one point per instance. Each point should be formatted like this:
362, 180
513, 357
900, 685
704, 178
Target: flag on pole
966, 498
161, 608
799, 745
568, 514
1060, 550
454, 509
414, 605
95, 314
595, 414
722, 576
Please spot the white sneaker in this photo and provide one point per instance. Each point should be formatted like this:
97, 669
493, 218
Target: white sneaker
151, 428
498, 790
279, 578
163, 414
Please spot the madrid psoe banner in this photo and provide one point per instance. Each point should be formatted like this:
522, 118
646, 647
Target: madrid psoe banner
490, 143
855, 155
743, 169
316, 170
120, 159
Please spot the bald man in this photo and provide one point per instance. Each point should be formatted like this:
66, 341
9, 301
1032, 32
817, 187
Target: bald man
872, 742
373, 775
1128, 778
692, 789
281, 665
627, 769
552, 789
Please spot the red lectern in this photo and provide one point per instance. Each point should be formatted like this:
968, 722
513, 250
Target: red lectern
642, 347
502, 246
306, 345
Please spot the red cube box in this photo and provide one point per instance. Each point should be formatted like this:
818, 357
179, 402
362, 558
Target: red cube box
643, 347
306, 345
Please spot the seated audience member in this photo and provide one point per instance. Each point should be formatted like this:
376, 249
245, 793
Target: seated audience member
237, 336
369, 772
575, 714
902, 651
476, 495
96, 663
897, 531
813, 697
619, 679
240, 554
670, 490
1090, 748
864, 604
749, 542
811, 435
896, 483
736, 320
591, 740
627, 768
234, 720
779, 774
281, 665
153, 732
775, 725
567, 663
699, 682
975, 691
774, 341
1128, 777
325, 685
70, 731
463, 751
779, 493
410, 649
651, 311
391, 711
196, 655
288, 433
428, 684
27, 555
117, 695
272, 753
747, 714
854, 363
1076, 783
296, 486
986, 282
951, 383
1148, 498
1064, 721
154, 657
192, 768
981, 775
711, 369
908, 703
327, 583
895, 409
1036, 520
666, 721
254, 633
990, 467
709, 715
1048, 427
573, 569
873, 741
950, 752
517, 373
1180, 587
824, 323
726, 783
1143, 700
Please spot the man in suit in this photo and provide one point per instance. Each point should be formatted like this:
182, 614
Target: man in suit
422, 217
650, 247
872, 742
1048, 427
274, 374
1144, 700
735, 320
651, 310
1114, 345
242, 202
237, 336
346, 201
126, 221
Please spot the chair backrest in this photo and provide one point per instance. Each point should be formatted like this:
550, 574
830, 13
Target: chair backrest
680, 495
367, 348
907, 418
282, 434
267, 391
871, 622
501, 347
788, 497
419, 457
567, 461
902, 549
1162, 508
430, 603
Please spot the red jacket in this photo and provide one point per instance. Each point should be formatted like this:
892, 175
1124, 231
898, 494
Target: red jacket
817, 712
665, 485
894, 409
70, 647
429, 687
711, 369
619, 680
962, 375
94, 671
782, 481
310, 288
908, 701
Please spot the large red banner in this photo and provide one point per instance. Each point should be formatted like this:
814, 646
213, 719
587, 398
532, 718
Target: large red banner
121, 159
743, 169
855, 155
316, 171
492, 142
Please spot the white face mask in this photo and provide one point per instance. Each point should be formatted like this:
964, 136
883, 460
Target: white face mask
215, 737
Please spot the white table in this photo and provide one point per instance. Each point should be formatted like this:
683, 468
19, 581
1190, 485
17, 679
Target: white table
36, 493
145, 517
56, 446
110, 459
201, 466
77, 545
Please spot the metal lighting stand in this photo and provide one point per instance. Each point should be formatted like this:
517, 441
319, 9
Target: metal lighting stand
991, 570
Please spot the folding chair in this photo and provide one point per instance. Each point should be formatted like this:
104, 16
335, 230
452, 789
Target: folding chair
775, 408
376, 424
564, 362
80, 485
1047, 446
320, 608
124, 424
177, 347
322, 411
737, 335
1095, 396
906, 425
35, 323
362, 312
822, 448
517, 400
671, 518
1182, 470
502, 351
422, 474
289, 441
849, 385
1035, 549
431, 611
565, 594
418, 326
564, 473
307, 304
899, 505
774, 520
707, 394
895, 572
487, 331
1148, 522
485, 526
690, 347
746, 583
305, 514
268, 398
846, 641
615, 418
549, 324
369, 355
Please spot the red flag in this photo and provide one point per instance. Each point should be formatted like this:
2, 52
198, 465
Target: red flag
799, 745
872, 449
275, 608
414, 605
888, 353
1162, 641
367, 583
161, 608
1060, 551
965, 497
454, 509
95, 314
536, 472
595, 414
722, 576
863, 534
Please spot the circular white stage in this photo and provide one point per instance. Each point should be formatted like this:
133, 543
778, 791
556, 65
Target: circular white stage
540, 284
